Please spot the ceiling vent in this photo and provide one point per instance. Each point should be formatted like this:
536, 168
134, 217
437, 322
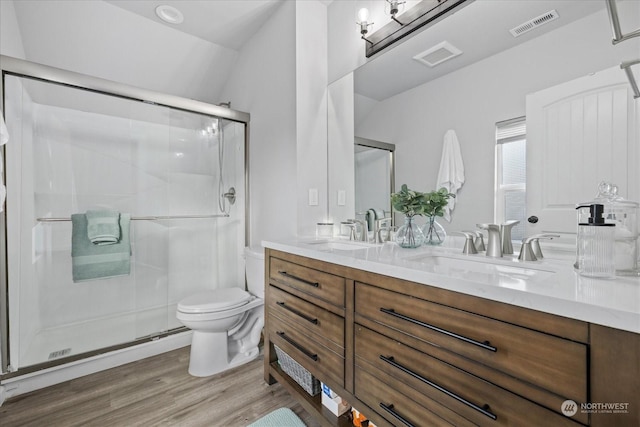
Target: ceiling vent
534, 23
438, 54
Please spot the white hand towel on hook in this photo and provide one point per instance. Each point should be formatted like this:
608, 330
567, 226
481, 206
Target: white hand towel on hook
4, 138
451, 173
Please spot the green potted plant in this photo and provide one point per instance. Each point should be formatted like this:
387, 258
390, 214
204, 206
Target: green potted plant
433, 205
410, 203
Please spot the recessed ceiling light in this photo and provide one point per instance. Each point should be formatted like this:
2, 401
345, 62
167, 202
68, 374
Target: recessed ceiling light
169, 14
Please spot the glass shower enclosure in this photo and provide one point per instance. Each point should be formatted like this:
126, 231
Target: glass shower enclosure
78, 143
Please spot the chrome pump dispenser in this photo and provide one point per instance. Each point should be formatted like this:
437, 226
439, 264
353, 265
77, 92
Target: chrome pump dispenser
596, 245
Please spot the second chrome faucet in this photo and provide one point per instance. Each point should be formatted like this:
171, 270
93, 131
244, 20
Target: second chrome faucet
499, 242
494, 241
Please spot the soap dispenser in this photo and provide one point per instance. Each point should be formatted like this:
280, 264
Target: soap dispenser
625, 215
596, 245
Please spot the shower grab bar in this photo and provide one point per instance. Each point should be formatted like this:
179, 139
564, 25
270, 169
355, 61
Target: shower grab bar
147, 218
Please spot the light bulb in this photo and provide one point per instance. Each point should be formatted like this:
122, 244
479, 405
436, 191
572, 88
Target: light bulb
363, 16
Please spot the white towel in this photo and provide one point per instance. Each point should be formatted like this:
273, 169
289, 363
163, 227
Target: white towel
451, 173
4, 138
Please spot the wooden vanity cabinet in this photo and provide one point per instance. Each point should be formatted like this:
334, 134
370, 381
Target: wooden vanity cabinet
411, 354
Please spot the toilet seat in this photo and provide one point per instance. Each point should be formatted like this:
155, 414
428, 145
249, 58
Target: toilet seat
214, 301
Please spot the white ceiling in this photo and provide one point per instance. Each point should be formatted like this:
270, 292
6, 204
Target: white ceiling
480, 29
229, 23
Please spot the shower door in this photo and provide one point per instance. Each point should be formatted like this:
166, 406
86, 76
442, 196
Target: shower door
73, 150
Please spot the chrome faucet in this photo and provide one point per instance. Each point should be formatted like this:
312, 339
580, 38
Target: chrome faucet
479, 242
530, 250
469, 246
364, 229
494, 245
505, 231
377, 233
352, 229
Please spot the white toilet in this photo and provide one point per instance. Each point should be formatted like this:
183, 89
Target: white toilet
226, 323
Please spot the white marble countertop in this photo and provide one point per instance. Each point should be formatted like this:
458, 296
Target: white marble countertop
550, 285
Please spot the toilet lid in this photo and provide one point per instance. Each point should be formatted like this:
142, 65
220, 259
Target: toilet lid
215, 300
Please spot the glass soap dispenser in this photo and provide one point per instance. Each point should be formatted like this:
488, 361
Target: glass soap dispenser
624, 214
596, 245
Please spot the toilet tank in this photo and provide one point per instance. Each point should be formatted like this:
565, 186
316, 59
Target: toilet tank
254, 268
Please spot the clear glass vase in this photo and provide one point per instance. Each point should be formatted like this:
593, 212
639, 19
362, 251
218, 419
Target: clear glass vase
434, 233
409, 235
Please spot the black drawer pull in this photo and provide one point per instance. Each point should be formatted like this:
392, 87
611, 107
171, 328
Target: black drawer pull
484, 410
389, 409
298, 346
486, 345
297, 313
306, 282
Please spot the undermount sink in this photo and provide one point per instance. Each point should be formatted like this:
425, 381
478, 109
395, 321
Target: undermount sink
481, 269
348, 245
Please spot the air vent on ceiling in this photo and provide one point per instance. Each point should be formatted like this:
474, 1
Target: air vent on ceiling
534, 23
438, 54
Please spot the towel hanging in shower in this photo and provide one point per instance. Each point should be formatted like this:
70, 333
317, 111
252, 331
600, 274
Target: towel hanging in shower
90, 261
4, 138
103, 227
451, 173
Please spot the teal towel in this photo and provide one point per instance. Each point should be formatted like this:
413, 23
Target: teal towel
103, 227
370, 216
91, 261
283, 417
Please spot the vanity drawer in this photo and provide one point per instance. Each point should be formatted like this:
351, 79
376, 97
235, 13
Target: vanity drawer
553, 363
314, 282
307, 350
302, 313
394, 406
426, 379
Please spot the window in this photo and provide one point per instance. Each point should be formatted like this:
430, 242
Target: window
511, 174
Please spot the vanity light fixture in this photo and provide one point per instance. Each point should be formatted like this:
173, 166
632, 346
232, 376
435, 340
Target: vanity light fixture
394, 8
363, 21
169, 14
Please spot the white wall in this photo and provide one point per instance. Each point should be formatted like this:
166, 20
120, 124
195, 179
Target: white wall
340, 149
311, 112
10, 39
263, 83
473, 99
103, 40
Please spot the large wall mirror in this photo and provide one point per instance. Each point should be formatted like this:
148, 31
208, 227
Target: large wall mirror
402, 101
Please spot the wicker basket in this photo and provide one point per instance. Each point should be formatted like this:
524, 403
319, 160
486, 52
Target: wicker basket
296, 371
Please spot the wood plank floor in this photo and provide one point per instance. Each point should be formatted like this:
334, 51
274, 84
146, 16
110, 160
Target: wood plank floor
157, 391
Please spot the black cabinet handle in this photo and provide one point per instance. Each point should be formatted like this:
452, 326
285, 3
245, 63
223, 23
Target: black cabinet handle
484, 410
486, 344
390, 409
306, 282
297, 313
298, 346
532, 219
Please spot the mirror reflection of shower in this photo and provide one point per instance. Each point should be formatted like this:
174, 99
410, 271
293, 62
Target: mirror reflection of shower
374, 177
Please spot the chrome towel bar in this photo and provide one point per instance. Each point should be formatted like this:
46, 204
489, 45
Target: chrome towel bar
147, 218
